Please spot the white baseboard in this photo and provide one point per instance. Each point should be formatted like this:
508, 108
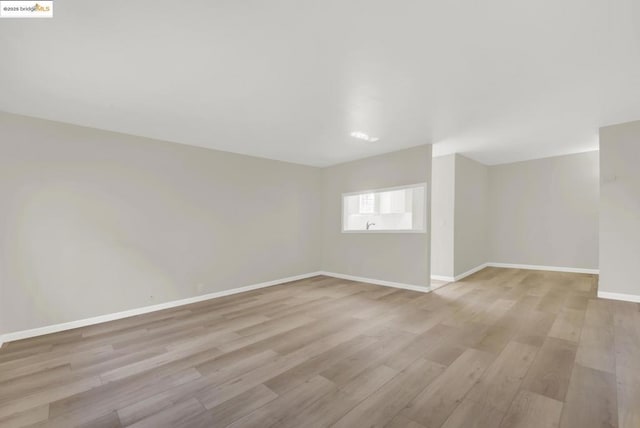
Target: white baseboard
411, 287
619, 296
461, 276
9, 337
471, 272
514, 266
443, 278
18, 335
548, 268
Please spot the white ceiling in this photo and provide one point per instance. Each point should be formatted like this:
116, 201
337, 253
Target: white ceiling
496, 80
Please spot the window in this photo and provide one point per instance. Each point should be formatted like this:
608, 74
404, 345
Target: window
367, 203
397, 209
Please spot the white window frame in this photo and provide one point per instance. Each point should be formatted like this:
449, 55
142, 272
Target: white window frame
386, 189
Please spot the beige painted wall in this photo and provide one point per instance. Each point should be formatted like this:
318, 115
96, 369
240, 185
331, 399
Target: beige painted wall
471, 237
620, 209
442, 215
545, 212
94, 222
397, 257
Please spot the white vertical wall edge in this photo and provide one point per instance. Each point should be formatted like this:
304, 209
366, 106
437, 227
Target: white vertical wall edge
619, 296
411, 287
9, 337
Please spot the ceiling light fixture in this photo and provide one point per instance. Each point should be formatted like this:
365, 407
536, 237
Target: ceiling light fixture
364, 137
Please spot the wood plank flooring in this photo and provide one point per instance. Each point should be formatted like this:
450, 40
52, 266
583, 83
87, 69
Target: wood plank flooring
502, 348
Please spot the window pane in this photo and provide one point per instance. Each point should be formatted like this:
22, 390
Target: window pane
367, 203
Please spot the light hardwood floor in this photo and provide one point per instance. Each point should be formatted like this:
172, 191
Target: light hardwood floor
502, 348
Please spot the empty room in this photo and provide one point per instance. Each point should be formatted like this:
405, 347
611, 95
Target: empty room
302, 214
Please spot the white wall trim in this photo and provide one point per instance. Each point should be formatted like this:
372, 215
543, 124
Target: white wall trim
619, 296
470, 272
25, 334
443, 278
461, 276
419, 288
519, 266
548, 268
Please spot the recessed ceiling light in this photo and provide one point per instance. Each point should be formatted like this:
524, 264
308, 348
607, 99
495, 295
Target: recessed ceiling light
364, 137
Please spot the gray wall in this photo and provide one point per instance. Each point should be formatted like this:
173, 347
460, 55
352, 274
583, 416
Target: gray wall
620, 209
95, 222
442, 215
397, 257
471, 238
545, 211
